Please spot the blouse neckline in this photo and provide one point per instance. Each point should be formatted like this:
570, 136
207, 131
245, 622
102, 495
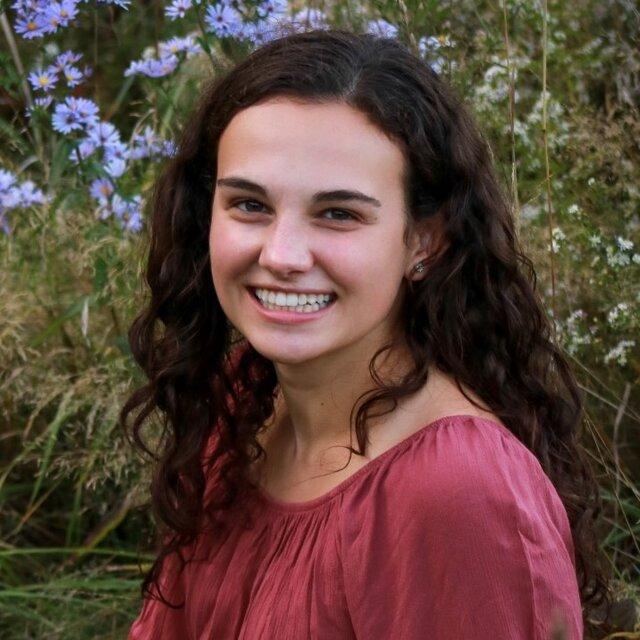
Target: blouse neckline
285, 506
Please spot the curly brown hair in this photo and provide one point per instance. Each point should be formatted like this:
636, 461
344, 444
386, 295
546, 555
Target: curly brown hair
476, 317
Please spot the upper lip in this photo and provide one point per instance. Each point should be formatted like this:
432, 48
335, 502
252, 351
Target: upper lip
286, 290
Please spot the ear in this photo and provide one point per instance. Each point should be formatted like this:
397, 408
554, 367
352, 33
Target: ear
425, 241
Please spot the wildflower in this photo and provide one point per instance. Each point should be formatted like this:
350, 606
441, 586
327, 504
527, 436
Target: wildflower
43, 79
101, 189
177, 9
169, 149
595, 240
557, 238
15, 195
64, 59
103, 134
383, 28
619, 352
72, 75
145, 145
65, 119
115, 166
223, 20
7, 179
272, 10
617, 258
74, 113
29, 194
84, 149
615, 313
134, 223
625, 245
152, 67
31, 26
59, 14
573, 210
177, 45
127, 211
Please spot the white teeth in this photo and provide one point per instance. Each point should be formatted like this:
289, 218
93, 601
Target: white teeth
300, 302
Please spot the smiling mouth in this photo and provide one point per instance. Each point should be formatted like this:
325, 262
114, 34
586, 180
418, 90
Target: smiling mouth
312, 304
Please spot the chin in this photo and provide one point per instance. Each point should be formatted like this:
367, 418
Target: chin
293, 354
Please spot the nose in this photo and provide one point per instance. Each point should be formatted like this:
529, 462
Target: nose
285, 248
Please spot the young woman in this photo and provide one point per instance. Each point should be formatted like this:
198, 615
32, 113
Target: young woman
332, 257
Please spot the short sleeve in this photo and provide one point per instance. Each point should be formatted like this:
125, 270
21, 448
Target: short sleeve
157, 620
464, 537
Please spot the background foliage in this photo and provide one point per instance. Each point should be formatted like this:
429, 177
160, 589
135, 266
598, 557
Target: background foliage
92, 95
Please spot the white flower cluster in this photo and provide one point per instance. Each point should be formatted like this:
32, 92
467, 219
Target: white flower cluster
618, 312
557, 238
574, 335
619, 352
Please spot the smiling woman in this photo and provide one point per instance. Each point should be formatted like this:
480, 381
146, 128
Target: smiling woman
273, 331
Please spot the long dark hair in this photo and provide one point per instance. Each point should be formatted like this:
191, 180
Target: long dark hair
476, 316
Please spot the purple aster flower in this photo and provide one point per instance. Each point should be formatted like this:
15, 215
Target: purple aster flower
43, 101
115, 167
72, 75
169, 148
134, 223
73, 114
223, 20
30, 195
65, 119
177, 9
145, 145
10, 199
87, 110
101, 189
83, 150
162, 67
382, 28
116, 151
44, 79
152, 67
176, 45
272, 10
31, 26
7, 180
66, 10
66, 58
103, 134
119, 206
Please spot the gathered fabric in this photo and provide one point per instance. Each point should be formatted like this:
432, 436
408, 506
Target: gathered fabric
455, 532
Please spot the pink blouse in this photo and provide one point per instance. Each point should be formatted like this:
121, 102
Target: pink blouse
455, 532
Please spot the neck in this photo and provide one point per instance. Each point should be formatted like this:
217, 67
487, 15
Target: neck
315, 401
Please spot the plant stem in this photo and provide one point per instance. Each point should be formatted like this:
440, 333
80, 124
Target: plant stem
547, 169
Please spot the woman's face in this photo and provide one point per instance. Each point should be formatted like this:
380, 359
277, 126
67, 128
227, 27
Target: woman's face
285, 237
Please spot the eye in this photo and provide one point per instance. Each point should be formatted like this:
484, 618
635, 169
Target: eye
341, 212
245, 201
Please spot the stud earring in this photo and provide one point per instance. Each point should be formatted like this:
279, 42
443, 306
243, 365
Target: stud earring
419, 268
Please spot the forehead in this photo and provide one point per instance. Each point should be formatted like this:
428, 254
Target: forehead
316, 146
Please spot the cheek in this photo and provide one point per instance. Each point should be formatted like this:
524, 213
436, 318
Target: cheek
226, 256
371, 268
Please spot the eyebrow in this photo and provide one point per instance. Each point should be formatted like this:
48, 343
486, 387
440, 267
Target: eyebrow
319, 196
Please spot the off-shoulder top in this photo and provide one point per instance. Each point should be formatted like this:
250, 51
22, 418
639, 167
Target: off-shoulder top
455, 532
